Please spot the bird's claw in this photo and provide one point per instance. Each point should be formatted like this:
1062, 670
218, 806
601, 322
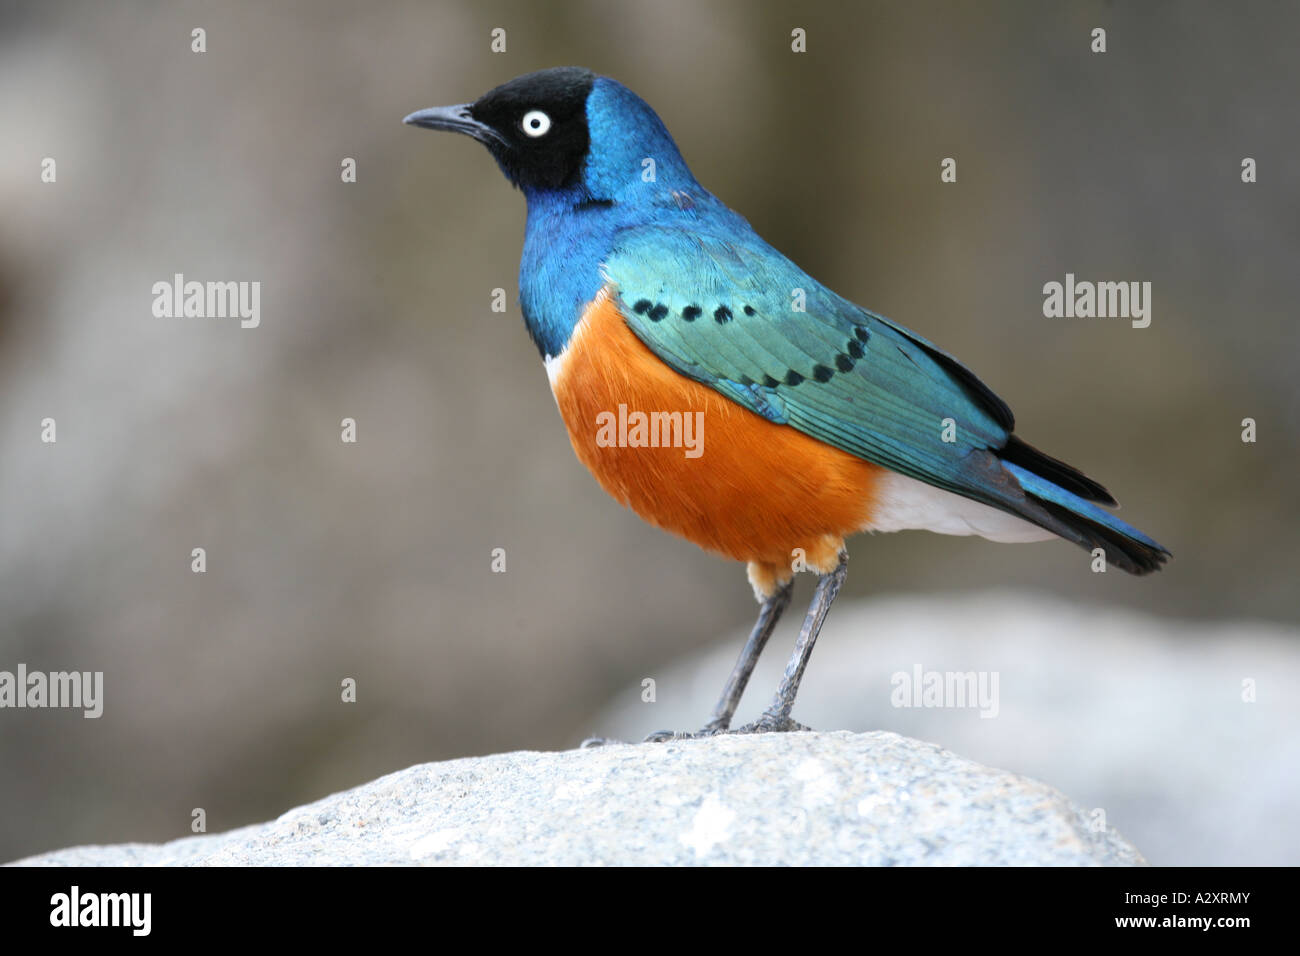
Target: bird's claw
772, 724
662, 736
711, 729
767, 724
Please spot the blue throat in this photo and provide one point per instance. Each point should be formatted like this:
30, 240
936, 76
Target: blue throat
580, 223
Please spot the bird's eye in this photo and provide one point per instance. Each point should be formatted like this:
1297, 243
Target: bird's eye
536, 123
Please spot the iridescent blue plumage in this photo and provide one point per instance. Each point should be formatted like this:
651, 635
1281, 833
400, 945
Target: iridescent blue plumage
571, 229
644, 291
785, 346
612, 205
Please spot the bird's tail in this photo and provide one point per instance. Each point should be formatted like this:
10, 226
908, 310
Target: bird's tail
1068, 503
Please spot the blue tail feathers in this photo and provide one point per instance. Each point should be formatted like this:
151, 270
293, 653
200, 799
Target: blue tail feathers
1090, 525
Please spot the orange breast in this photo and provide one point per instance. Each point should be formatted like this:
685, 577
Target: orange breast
750, 489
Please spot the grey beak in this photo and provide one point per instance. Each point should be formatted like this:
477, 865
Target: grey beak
456, 119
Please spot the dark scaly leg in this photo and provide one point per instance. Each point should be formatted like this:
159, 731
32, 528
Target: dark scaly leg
770, 612
776, 718
768, 615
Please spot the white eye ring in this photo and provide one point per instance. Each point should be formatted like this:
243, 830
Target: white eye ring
536, 123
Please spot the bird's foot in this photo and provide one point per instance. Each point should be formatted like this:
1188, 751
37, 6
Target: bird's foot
772, 724
711, 729
658, 737
767, 724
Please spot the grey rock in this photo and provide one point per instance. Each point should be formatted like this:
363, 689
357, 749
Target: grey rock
1183, 733
772, 799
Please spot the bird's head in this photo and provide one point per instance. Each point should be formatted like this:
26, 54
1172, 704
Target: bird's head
567, 130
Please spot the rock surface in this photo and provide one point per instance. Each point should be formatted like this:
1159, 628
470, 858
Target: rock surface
773, 799
1183, 733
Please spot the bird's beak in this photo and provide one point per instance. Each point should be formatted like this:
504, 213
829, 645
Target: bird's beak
456, 119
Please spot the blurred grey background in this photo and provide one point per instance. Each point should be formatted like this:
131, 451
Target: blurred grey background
372, 561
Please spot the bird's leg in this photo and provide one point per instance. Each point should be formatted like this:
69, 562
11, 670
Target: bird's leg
769, 613
777, 716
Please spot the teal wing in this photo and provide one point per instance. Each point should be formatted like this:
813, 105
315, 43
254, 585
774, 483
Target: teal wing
737, 316
741, 318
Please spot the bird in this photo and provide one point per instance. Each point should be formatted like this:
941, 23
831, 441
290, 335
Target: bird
726, 396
